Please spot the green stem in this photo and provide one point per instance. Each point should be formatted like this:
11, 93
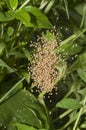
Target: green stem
6, 95
25, 3
79, 114
66, 6
2, 31
49, 6
65, 113
43, 4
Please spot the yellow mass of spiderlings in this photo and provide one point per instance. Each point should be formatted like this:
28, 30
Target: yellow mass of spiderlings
43, 63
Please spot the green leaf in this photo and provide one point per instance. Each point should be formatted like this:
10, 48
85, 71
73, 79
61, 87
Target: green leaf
81, 9
82, 91
4, 65
24, 127
82, 74
41, 19
10, 31
24, 17
22, 107
2, 47
6, 16
12, 4
26, 75
12, 91
17, 54
27, 54
70, 48
78, 64
69, 103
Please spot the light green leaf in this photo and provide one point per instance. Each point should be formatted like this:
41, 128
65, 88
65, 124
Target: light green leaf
10, 31
41, 19
69, 103
12, 4
27, 54
26, 75
6, 16
82, 74
82, 91
24, 127
2, 47
24, 17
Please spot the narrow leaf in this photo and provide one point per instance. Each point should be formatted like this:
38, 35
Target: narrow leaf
2, 46
24, 127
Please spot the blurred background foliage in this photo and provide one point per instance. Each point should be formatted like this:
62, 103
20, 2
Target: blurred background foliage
20, 107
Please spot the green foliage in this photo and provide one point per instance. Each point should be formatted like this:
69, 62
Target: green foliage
12, 4
22, 107
69, 103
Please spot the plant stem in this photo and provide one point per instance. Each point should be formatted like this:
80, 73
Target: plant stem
2, 31
25, 3
43, 4
47, 9
65, 113
79, 114
13, 88
66, 6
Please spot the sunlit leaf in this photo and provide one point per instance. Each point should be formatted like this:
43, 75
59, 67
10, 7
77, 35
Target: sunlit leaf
12, 4
41, 19
10, 31
24, 17
26, 75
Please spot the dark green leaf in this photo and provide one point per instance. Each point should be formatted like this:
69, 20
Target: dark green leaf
19, 109
3, 64
78, 64
12, 91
